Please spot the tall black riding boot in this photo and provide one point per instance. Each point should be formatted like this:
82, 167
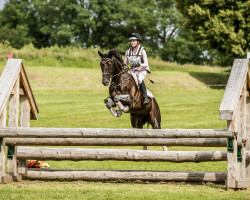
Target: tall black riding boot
144, 93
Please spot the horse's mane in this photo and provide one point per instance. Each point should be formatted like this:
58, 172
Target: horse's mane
117, 55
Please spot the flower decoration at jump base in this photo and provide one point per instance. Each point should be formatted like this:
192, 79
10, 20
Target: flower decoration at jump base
37, 164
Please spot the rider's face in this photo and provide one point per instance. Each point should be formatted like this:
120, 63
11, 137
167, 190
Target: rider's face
134, 43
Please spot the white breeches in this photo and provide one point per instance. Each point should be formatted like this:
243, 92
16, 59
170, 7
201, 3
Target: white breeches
141, 75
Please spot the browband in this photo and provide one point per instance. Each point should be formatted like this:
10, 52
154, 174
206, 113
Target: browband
105, 61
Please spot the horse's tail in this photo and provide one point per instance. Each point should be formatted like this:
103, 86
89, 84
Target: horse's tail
156, 114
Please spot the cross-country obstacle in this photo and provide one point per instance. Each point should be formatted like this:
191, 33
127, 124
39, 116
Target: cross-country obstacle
235, 108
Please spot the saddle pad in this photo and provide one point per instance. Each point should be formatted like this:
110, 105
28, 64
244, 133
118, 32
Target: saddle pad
149, 94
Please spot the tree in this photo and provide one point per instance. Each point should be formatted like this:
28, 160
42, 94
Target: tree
45, 22
13, 27
220, 25
183, 49
107, 31
101, 23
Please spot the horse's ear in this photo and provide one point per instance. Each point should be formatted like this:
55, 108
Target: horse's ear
110, 54
117, 55
100, 54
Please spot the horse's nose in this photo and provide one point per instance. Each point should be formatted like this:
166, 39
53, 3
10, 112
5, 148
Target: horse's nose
105, 83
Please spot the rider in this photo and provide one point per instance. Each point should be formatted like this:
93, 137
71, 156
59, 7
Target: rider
136, 56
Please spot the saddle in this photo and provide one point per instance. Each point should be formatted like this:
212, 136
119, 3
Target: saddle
136, 98
149, 94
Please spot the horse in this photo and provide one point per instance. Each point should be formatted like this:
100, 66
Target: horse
125, 94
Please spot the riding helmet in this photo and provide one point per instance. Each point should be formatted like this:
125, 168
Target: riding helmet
135, 36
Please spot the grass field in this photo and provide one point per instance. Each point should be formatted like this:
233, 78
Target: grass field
188, 96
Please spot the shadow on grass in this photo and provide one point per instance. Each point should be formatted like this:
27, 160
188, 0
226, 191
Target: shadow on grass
212, 80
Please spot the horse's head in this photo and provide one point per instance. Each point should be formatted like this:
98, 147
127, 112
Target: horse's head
107, 67
111, 64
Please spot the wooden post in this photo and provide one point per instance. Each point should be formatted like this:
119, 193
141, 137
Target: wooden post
241, 161
2, 145
25, 112
24, 122
232, 156
247, 133
13, 122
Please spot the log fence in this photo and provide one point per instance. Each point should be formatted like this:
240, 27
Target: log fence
235, 108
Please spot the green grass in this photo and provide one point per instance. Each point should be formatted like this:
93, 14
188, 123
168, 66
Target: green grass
113, 191
76, 57
189, 97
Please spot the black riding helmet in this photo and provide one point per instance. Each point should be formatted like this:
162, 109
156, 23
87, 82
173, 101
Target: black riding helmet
135, 36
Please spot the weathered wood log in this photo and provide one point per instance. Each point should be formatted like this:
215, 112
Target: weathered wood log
2, 158
126, 175
8, 79
2, 144
233, 89
29, 93
200, 142
24, 122
25, 112
113, 133
13, 122
77, 154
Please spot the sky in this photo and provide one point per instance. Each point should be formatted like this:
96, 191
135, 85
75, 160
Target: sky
1, 4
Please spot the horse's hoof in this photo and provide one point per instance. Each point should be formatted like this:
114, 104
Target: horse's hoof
119, 113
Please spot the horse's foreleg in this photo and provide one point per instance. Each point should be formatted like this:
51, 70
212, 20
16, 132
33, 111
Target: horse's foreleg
110, 105
123, 98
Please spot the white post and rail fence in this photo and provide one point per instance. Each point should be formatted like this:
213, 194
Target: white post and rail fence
235, 108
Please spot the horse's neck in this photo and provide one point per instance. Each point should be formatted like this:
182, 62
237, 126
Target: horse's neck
117, 68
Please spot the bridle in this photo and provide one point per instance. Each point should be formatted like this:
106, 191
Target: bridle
104, 62
112, 73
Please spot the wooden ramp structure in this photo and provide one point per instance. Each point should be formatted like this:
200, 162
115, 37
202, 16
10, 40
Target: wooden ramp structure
235, 108
15, 90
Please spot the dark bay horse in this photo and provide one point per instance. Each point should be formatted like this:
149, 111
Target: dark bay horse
124, 93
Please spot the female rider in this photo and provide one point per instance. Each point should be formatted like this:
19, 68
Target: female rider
136, 56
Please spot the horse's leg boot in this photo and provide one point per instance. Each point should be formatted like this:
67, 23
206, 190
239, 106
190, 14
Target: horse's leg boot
144, 93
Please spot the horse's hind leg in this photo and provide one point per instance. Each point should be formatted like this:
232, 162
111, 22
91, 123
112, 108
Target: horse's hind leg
155, 118
137, 121
157, 125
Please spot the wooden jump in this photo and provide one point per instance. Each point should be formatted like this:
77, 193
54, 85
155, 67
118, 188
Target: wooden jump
235, 108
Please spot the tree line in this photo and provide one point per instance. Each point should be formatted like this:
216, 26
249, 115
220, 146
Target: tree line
199, 32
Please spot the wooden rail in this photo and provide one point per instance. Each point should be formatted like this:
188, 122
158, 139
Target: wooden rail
218, 177
113, 133
78, 154
197, 142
